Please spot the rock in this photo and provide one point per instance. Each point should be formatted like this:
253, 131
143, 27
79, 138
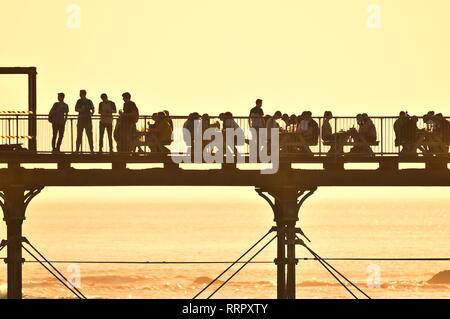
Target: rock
442, 277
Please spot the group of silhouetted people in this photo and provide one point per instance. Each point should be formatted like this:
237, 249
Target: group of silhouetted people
297, 132
124, 132
431, 140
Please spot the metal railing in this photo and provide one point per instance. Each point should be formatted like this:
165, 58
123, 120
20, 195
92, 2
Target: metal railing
14, 130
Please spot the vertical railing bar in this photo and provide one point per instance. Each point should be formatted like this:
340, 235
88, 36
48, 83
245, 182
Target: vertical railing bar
71, 134
382, 135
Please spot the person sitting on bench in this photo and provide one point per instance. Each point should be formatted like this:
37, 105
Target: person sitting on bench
160, 135
336, 140
365, 136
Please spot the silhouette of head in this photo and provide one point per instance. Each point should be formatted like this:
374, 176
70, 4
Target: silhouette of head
61, 97
126, 96
104, 97
328, 115
359, 119
277, 115
259, 102
82, 94
402, 113
161, 115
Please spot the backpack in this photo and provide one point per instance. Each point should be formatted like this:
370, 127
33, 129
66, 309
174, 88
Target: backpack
51, 114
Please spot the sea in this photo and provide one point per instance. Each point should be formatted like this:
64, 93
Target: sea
179, 239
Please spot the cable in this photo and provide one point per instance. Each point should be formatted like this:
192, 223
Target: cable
334, 269
54, 268
335, 277
53, 274
234, 263
245, 264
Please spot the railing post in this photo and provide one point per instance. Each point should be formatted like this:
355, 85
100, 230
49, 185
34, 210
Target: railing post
9, 130
71, 134
17, 129
32, 106
382, 136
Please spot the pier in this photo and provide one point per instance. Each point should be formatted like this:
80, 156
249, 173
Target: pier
285, 191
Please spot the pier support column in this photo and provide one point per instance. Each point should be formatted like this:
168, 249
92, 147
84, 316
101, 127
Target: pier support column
285, 204
14, 201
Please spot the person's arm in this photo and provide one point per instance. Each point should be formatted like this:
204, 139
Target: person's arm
136, 109
77, 106
66, 112
100, 108
113, 107
92, 108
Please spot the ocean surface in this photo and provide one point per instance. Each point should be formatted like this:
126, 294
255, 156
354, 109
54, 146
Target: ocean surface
219, 224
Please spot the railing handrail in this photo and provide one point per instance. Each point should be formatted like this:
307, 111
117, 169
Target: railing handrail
149, 116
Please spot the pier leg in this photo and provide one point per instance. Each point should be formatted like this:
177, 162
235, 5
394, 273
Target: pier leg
281, 262
286, 203
291, 260
14, 201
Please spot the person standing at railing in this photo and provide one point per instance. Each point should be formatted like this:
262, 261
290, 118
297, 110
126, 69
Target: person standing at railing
85, 109
129, 117
106, 109
256, 119
58, 117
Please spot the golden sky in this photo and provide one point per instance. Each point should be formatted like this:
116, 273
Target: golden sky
216, 55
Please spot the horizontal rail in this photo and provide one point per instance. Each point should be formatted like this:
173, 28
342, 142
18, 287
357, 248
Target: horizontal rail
14, 130
406, 259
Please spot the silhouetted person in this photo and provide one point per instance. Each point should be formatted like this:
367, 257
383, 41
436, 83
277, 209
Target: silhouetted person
85, 109
287, 121
292, 123
161, 134
106, 109
58, 117
256, 120
368, 129
327, 131
129, 118
365, 136
256, 115
189, 131
400, 128
440, 134
413, 137
271, 123
167, 116
230, 123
